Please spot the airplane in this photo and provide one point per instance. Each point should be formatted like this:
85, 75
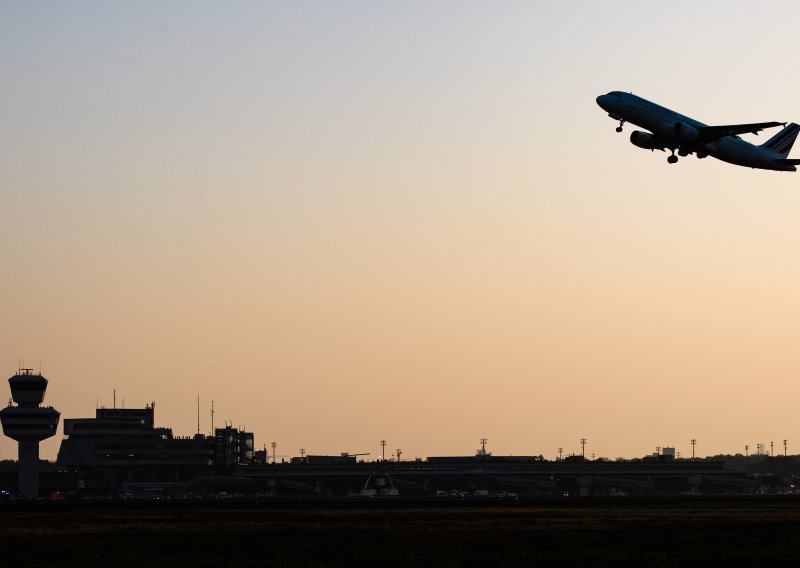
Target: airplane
672, 131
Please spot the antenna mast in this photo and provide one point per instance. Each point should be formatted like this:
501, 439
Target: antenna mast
212, 417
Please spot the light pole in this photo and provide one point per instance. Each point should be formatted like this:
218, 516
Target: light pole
693, 444
274, 445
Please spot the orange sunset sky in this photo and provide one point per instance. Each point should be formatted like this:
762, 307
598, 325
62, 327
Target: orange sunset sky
353, 221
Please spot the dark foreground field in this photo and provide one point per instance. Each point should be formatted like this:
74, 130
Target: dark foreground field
707, 532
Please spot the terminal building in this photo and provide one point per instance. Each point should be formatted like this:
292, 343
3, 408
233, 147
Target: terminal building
121, 450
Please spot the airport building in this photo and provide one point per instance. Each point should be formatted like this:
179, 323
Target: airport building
121, 450
233, 447
28, 423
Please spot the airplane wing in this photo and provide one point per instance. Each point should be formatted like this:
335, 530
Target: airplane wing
708, 133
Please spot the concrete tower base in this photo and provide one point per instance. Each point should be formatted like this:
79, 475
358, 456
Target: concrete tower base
28, 474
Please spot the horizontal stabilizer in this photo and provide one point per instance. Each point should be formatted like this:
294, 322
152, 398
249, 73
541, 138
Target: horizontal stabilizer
782, 142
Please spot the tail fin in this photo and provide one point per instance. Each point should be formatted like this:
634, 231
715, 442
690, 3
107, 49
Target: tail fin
783, 140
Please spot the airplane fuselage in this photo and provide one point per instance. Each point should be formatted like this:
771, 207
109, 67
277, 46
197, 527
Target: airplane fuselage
675, 131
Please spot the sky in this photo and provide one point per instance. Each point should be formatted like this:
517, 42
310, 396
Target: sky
352, 221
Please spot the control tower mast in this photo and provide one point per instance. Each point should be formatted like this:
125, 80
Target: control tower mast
28, 424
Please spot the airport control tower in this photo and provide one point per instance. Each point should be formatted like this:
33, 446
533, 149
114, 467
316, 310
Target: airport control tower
28, 423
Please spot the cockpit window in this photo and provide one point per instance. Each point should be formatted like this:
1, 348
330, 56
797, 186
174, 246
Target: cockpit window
615, 94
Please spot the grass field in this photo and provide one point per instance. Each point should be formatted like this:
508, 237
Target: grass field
702, 532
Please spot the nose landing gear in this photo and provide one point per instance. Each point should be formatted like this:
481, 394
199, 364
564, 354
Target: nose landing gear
619, 128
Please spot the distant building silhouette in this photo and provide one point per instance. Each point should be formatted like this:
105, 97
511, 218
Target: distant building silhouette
233, 447
121, 447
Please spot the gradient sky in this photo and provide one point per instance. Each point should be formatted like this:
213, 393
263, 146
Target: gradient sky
348, 221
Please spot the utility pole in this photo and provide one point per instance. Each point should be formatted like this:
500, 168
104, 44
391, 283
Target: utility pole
302, 453
399, 453
693, 444
483, 446
560, 450
583, 448
383, 450
274, 445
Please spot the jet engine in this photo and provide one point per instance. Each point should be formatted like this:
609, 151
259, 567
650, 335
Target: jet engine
686, 131
646, 141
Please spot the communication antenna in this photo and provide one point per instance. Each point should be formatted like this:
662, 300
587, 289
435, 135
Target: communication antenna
483, 446
115, 398
583, 447
383, 450
693, 444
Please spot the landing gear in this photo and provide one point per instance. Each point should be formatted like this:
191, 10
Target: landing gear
619, 128
673, 159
